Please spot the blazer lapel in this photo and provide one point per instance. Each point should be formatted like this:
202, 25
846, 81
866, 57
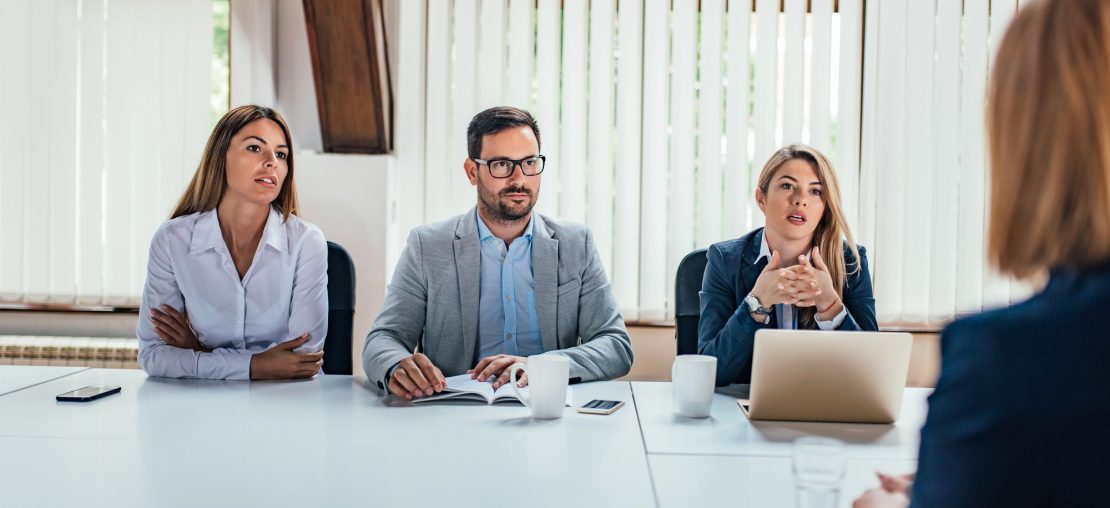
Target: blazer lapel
468, 267
545, 273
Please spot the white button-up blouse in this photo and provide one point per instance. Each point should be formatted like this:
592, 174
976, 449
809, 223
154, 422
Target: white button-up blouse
282, 296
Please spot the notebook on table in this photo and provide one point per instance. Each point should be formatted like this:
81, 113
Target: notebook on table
462, 388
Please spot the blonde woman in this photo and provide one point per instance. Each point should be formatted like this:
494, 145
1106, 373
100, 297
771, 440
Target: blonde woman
236, 282
802, 270
1019, 414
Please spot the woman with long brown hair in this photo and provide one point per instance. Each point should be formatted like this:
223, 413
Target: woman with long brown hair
1019, 414
236, 282
802, 270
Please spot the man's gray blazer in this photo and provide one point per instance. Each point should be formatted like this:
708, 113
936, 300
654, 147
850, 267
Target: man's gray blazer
433, 298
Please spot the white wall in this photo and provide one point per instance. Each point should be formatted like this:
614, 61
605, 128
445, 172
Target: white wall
347, 196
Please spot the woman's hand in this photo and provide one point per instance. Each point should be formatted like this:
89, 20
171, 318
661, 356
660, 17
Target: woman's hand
281, 362
811, 283
174, 328
772, 286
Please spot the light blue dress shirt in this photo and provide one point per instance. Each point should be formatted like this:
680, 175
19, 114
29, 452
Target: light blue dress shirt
507, 318
786, 313
283, 295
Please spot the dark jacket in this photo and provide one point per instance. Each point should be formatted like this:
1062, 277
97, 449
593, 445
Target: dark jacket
726, 329
1021, 412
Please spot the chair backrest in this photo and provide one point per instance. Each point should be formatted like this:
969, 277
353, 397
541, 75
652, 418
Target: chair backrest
341, 311
687, 308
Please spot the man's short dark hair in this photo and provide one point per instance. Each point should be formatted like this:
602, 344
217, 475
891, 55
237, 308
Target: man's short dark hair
494, 120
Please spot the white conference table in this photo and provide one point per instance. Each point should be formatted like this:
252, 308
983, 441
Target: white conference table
728, 432
333, 441
18, 377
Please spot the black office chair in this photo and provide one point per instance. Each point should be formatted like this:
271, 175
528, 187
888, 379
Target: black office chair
341, 311
686, 307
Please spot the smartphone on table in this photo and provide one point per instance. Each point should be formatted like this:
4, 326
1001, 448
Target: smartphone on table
87, 393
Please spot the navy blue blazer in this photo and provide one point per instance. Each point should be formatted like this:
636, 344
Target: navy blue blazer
1021, 411
726, 329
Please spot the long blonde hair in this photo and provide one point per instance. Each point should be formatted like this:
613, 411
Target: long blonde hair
209, 182
833, 229
1048, 126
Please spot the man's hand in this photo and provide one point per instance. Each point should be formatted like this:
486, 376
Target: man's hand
174, 328
498, 365
416, 377
281, 362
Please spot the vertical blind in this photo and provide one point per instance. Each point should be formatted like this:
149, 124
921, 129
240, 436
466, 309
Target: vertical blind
924, 190
104, 108
656, 116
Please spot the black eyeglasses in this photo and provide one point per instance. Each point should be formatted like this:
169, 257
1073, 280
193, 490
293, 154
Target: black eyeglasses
503, 168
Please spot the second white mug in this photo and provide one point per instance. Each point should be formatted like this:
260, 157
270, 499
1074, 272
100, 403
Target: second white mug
693, 378
548, 376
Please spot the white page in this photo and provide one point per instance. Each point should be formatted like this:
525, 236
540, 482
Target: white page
459, 387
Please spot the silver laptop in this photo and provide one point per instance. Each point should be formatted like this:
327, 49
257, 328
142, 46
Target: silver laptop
828, 376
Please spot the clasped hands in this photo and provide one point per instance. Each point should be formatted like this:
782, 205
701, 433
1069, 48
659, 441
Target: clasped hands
806, 284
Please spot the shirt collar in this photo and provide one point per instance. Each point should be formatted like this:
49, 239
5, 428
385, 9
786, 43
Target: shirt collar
206, 233
484, 233
765, 250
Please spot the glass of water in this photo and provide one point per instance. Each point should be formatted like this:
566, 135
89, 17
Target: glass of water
818, 470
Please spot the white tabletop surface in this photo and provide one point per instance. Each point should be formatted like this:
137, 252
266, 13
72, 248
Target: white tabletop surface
721, 480
18, 377
330, 441
728, 432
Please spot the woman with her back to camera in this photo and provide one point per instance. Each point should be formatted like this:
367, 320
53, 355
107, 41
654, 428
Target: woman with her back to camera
236, 282
802, 270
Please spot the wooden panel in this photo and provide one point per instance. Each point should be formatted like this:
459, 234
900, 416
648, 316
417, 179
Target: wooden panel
346, 42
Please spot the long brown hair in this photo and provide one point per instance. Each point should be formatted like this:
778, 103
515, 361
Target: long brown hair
1048, 125
209, 182
832, 230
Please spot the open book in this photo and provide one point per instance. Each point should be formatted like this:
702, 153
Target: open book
461, 387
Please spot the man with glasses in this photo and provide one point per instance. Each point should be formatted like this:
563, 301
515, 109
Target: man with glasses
486, 289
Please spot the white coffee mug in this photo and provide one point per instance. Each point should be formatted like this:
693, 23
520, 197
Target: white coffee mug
547, 384
693, 377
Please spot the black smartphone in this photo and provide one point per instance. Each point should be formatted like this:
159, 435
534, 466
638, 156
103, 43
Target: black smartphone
601, 407
88, 393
